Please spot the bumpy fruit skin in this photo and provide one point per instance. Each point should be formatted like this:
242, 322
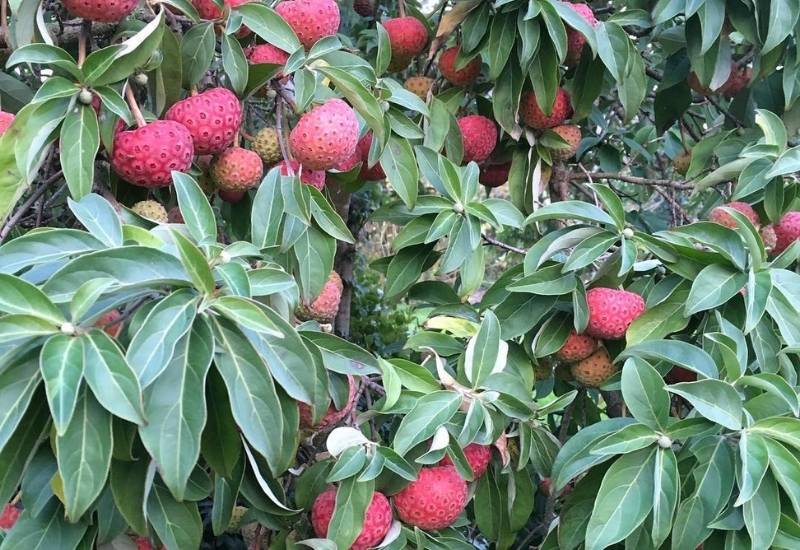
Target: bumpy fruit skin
212, 117
377, 520
681, 162
266, 53
6, 119
315, 178
324, 307
494, 175
325, 136
209, 10
332, 416
593, 371
534, 117
146, 156
106, 11
576, 40
369, 173
310, 19
478, 456
677, 374
9, 516
364, 8
787, 231
267, 146
419, 86
572, 135
577, 347
611, 312
151, 210
434, 501
408, 37
479, 136
237, 169
769, 237
108, 324
461, 77
718, 215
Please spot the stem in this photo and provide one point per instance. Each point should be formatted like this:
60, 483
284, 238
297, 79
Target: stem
401, 7
13, 220
83, 40
504, 246
633, 179
725, 112
4, 21
137, 113
287, 158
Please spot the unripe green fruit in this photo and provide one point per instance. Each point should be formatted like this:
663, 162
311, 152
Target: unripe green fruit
141, 79
85, 96
664, 442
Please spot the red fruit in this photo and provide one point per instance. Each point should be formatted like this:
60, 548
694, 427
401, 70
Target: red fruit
408, 37
576, 40
787, 231
364, 8
107, 11
373, 173
108, 324
9, 516
5, 121
267, 53
611, 312
212, 117
325, 136
677, 374
718, 215
326, 305
461, 77
534, 117
738, 80
478, 456
479, 136
435, 500
494, 175
377, 520
595, 370
209, 10
315, 178
146, 156
310, 19
577, 347
332, 416
572, 135
237, 169
545, 486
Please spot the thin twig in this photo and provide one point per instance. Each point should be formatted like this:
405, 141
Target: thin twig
137, 113
17, 216
83, 39
725, 112
500, 244
633, 179
287, 158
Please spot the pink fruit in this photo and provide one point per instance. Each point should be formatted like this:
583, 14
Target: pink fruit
576, 40
458, 77
611, 312
315, 178
534, 117
718, 215
267, 53
332, 416
326, 305
572, 135
147, 156
107, 11
494, 175
109, 322
325, 136
434, 501
594, 370
787, 231
479, 137
377, 520
212, 117
478, 456
209, 10
577, 347
373, 173
408, 37
310, 19
237, 169
6, 119
9, 516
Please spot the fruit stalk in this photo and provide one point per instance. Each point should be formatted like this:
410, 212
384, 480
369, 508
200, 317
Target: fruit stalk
83, 40
279, 119
137, 113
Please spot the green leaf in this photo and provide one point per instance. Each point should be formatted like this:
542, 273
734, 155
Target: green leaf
267, 211
762, 513
405, 268
328, 219
400, 165
353, 497
195, 263
676, 352
177, 524
131, 55
783, 465
128, 481
221, 446
80, 140
61, 363
754, 454
783, 15
270, 26
45, 245
47, 530
502, 35
644, 393
629, 439
19, 452
18, 382
314, 252
775, 385
246, 313
714, 285
44, 54
486, 352
234, 63
786, 430
20, 297
99, 218
555, 28
350, 463
576, 210
384, 53
666, 482
430, 412
176, 410
197, 52
195, 209
624, 500
84, 455
111, 379
716, 400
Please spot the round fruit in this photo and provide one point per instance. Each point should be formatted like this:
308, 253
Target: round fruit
237, 169
479, 137
314, 178
151, 210
494, 175
577, 347
419, 86
787, 230
209, 10
738, 79
434, 501
332, 415
478, 456
611, 312
576, 40
593, 371
267, 53
147, 156
6, 119
267, 145
212, 117
718, 215
572, 135
369, 173
310, 20
325, 136
109, 322
9, 517
682, 162
534, 117
408, 37
325, 306
464, 76
377, 520
106, 11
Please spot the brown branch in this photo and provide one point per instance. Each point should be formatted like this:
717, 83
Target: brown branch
632, 179
504, 246
17, 216
83, 39
287, 157
137, 113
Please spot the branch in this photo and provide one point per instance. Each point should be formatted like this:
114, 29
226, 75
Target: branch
504, 246
13, 220
632, 179
725, 112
